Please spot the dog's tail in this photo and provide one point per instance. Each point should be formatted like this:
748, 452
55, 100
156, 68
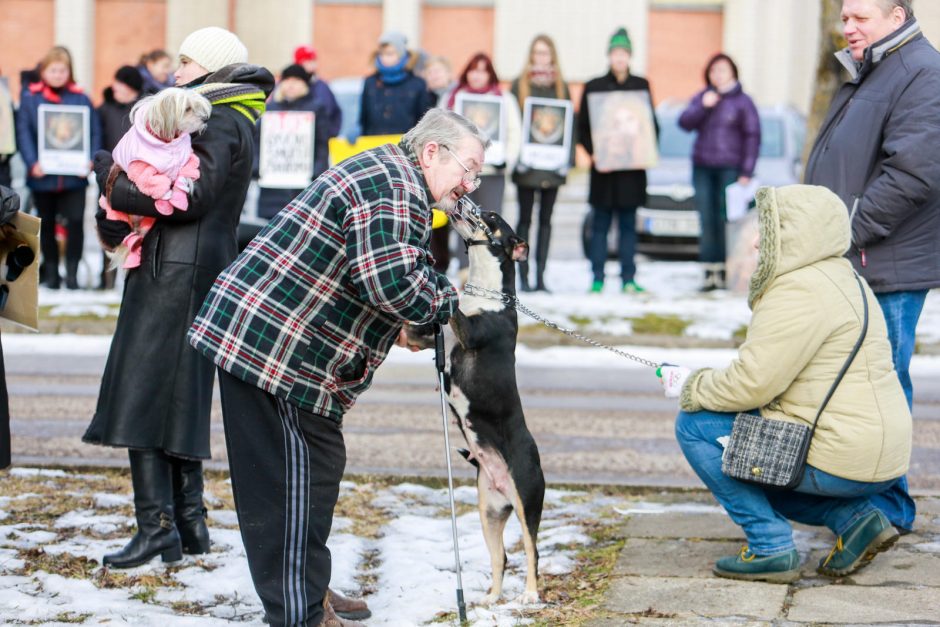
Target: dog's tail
466, 456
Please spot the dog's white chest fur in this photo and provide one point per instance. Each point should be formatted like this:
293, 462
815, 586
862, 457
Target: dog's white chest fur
485, 273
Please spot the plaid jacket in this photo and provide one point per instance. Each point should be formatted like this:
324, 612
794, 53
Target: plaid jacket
311, 308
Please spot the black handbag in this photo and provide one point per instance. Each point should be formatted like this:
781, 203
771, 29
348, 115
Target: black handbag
772, 453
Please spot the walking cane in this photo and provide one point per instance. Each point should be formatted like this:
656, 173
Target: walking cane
439, 362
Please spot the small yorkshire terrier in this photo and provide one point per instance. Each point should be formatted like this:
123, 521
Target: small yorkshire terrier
157, 155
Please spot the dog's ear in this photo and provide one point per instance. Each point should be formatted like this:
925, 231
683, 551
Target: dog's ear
520, 250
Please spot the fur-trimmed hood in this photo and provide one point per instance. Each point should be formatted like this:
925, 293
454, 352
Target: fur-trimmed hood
799, 225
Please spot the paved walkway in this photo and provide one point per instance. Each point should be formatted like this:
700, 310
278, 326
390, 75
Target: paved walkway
663, 576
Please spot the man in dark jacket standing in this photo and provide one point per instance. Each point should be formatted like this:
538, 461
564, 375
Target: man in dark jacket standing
299, 323
875, 149
613, 193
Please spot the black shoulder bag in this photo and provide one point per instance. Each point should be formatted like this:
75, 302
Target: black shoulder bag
772, 453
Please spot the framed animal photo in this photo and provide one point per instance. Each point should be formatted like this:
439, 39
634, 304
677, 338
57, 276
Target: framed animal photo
64, 139
622, 130
285, 160
546, 133
486, 111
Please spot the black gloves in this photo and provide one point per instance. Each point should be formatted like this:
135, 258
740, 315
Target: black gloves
9, 204
110, 232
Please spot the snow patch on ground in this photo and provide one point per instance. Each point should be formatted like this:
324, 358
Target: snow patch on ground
411, 562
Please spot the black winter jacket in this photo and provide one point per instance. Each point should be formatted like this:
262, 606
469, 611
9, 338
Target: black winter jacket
156, 392
115, 120
878, 145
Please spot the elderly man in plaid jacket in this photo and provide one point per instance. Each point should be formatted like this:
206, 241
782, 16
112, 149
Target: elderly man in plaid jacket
297, 326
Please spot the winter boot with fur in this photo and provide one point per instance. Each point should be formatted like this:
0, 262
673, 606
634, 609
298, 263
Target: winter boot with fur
151, 474
714, 277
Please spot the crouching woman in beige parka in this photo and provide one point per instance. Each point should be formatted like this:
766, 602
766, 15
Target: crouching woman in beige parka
807, 315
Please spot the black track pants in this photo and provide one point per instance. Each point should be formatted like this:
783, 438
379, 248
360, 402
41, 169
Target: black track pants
286, 466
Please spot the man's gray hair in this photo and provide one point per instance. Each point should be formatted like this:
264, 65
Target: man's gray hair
887, 6
444, 127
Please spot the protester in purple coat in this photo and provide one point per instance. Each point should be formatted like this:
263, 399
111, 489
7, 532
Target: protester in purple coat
725, 151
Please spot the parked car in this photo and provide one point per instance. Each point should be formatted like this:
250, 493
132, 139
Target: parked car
667, 225
348, 92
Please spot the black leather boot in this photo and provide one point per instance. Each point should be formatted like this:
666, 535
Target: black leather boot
51, 277
188, 507
524, 277
71, 274
153, 501
541, 256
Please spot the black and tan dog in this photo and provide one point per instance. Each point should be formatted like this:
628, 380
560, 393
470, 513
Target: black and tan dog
483, 397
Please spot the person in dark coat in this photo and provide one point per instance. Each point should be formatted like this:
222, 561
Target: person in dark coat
115, 113
306, 57
294, 93
393, 99
156, 392
726, 150
618, 193
55, 195
155, 69
541, 78
876, 149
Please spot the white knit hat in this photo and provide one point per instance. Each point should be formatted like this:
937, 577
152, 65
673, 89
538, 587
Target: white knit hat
213, 48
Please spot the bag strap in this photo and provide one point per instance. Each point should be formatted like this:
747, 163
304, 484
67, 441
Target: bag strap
851, 358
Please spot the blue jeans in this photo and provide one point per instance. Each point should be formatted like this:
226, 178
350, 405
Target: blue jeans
901, 311
710, 184
626, 243
820, 499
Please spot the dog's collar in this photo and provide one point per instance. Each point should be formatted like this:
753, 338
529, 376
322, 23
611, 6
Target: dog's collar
478, 242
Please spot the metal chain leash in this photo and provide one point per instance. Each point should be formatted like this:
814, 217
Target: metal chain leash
512, 301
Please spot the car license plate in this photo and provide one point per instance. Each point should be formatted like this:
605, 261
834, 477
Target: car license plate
684, 224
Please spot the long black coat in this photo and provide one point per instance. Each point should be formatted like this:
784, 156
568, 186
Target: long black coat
613, 190
156, 391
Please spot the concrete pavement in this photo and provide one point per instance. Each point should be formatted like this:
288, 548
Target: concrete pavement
663, 575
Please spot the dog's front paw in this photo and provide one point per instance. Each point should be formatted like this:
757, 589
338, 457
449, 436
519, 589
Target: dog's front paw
528, 597
490, 599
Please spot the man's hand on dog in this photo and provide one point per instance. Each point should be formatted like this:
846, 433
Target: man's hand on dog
673, 378
405, 342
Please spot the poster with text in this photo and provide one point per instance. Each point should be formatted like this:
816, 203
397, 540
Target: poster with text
546, 133
622, 130
286, 151
486, 111
64, 139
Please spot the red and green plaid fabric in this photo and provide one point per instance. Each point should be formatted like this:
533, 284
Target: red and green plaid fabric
311, 308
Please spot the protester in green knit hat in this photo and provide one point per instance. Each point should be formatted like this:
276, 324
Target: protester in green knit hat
620, 39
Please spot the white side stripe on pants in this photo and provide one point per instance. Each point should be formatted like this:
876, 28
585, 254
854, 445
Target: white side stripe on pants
297, 462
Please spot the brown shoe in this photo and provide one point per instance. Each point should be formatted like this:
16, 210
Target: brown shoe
353, 609
330, 619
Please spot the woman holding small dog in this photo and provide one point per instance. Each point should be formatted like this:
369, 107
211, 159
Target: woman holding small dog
803, 288
156, 392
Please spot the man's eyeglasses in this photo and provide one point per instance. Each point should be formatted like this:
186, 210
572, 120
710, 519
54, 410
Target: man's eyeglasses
470, 179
